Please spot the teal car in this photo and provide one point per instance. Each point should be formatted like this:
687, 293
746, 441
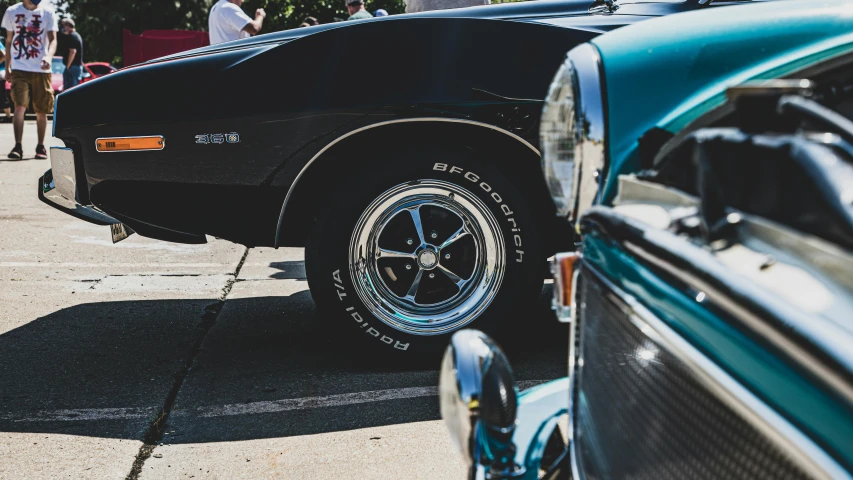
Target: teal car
705, 161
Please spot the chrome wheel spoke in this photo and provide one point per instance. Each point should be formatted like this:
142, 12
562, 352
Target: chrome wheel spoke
416, 284
456, 236
416, 218
456, 279
385, 253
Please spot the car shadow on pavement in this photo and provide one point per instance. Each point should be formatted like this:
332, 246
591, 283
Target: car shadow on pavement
92, 357
292, 270
269, 367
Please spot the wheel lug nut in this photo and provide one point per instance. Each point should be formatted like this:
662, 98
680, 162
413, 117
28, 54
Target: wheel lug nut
433, 235
447, 256
431, 275
409, 241
408, 266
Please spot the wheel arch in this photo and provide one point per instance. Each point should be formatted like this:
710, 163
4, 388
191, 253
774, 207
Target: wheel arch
309, 192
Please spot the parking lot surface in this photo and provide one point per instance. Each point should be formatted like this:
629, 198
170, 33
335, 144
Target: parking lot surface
153, 360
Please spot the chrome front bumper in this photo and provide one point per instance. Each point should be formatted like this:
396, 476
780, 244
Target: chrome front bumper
58, 188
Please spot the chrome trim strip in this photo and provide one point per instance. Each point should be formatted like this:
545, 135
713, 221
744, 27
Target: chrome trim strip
591, 110
53, 120
575, 347
382, 124
801, 449
161, 137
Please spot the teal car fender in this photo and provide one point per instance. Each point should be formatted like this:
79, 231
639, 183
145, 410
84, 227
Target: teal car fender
668, 72
539, 411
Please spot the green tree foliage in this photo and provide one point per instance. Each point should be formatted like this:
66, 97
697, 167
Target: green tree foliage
284, 14
101, 22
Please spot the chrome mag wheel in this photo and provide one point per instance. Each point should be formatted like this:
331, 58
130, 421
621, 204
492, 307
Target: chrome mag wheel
427, 257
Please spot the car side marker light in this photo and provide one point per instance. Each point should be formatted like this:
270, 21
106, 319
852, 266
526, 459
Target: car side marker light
130, 144
564, 267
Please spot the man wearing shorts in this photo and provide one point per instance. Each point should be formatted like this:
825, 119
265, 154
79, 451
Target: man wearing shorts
30, 44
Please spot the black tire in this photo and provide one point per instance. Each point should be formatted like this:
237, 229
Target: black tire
328, 252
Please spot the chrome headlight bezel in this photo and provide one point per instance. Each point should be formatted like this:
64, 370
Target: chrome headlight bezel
455, 410
477, 397
460, 389
573, 133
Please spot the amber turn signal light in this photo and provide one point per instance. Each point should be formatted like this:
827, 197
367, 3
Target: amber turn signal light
564, 267
130, 144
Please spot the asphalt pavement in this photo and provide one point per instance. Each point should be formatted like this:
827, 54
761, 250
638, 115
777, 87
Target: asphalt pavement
152, 360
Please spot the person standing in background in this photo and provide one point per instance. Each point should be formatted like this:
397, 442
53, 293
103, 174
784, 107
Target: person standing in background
31, 37
70, 47
4, 100
356, 10
228, 22
413, 6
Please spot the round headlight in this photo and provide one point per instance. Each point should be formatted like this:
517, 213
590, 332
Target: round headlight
573, 133
558, 139
476, 385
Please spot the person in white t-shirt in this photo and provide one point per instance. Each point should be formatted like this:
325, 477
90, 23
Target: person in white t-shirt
228, 22
31, 43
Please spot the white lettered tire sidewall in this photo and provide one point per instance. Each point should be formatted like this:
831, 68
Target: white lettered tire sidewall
327, 256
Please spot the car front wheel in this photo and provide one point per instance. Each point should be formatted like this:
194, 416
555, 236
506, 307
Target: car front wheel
407, 256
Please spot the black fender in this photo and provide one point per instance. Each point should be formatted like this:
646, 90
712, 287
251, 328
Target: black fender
346, 160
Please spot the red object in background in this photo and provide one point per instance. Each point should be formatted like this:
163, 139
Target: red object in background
153, 44
97, 69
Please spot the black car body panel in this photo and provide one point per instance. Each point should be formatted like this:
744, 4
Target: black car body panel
291, 95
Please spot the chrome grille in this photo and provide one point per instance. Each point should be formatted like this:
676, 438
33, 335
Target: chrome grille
640, 412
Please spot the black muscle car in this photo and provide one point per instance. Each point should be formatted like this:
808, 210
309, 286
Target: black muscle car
411, 176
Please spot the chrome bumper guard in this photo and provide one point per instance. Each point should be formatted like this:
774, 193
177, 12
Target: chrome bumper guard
58, 188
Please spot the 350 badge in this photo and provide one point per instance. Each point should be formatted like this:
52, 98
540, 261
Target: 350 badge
217, 138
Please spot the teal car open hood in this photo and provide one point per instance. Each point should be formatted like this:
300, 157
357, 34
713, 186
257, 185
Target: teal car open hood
667, 72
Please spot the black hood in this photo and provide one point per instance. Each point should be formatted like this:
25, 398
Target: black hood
510, 11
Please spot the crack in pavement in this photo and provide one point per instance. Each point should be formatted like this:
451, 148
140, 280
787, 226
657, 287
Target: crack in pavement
155, 431
160, 275
107, 265
95, 282
242, 280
